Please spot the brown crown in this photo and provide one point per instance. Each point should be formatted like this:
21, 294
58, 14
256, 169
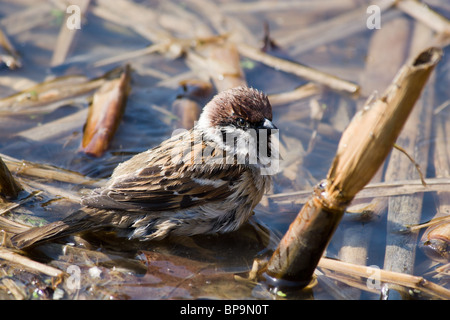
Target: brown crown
240, 102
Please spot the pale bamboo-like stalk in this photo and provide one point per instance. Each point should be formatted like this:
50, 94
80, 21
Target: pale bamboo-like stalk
363, 148
311, 74
385, 276
424, 14
220, 61
305, 91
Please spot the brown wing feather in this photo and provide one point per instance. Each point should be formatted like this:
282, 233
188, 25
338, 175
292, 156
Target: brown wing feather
157, 184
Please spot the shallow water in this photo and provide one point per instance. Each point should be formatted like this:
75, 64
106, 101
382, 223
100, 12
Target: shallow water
203, 266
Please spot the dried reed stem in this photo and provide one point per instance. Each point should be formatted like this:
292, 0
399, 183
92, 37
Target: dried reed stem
379, 71
67, 35
363, 148
143, 21
48, 172
372, 133
376, 189
128, 56
320, 77
406, 280
28, 263
305, 91
225, 67
220, 61
328, 30
45, 94
420, 11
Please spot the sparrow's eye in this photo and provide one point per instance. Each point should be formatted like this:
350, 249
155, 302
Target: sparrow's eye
241, 122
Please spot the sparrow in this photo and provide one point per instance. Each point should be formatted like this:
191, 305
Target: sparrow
205, 180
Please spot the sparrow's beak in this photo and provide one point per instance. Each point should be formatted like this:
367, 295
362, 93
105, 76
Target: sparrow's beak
267, 124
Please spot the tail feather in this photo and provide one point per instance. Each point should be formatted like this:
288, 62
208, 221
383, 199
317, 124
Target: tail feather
76, 222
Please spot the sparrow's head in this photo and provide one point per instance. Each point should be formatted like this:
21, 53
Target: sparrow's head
239, 120
240, 108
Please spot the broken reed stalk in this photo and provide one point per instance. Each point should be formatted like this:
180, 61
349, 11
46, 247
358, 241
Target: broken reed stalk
378, 73
362, 149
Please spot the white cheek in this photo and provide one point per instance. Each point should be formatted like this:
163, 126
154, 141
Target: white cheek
204, 120
247, 145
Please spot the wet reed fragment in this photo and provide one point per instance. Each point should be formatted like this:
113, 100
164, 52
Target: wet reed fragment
105, 114
14, 257
385, 276
47, 172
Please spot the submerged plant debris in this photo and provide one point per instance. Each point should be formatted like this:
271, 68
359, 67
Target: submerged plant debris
319, 62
